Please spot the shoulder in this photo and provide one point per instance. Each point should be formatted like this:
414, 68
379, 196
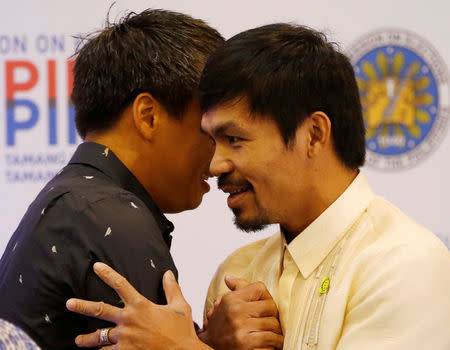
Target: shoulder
86, 184
76, 217
117, 228
393, 229
396, 278
122, 217
389, 251
89, 197
398, 255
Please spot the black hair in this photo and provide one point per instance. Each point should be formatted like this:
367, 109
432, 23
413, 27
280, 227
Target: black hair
287, 72
155, 51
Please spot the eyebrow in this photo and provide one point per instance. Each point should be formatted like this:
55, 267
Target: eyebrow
203, 131
223, 128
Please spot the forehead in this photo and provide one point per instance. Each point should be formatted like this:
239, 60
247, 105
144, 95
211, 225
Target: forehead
234, 113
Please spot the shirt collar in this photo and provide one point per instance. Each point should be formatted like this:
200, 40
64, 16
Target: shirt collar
312, 245
103, 159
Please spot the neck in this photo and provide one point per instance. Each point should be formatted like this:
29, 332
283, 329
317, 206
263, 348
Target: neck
322, 194
125, 149
119, 146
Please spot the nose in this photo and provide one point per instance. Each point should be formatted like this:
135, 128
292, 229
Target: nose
219, 164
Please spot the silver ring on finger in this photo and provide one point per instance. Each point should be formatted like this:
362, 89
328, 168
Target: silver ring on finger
104, 336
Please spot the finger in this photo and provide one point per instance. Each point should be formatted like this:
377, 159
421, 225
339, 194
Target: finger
264, 324
254, 291
115, 347
265, 340
173, 292
117, 282
88, 340
214, 307
93, 339
203, 336
262, 308
205, 325
235, 283
114, 335
94, 309
218, 300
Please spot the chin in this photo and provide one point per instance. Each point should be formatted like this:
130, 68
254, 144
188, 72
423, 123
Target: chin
254, 224
195, 203
183, 207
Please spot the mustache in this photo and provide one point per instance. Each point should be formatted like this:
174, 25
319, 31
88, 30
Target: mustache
228, 180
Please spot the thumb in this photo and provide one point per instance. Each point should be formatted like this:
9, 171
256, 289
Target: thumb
235, 283
172, 290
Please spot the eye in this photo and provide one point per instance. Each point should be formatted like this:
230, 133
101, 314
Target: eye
233, 139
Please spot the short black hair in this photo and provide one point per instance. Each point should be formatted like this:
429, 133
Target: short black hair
155, 51
287, 72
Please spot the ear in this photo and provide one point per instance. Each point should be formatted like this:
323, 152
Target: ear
319, 130
146, 115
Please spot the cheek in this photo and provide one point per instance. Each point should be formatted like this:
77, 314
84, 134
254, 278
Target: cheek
201, 158
258, 172
265, 194
266, 182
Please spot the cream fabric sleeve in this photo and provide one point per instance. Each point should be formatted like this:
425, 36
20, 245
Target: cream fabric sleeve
234, 265
399, 301
215, 289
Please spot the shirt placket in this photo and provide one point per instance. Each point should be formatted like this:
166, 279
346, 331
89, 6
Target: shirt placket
286, 281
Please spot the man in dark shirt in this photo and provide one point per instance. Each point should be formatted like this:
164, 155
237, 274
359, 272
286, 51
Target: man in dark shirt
136, 108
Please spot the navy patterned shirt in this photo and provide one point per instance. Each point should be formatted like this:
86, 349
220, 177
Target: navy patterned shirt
93, 210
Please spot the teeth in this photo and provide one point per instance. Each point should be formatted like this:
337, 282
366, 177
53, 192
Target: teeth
233, 190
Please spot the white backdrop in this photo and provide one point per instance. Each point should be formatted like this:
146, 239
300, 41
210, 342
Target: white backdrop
35, 43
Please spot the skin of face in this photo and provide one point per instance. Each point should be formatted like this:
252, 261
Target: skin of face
169, 156
251, 155
183, 153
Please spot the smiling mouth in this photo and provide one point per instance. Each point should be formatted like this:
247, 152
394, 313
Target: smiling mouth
236, 190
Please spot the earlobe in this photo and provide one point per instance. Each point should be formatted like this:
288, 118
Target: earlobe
146, 115
319, 133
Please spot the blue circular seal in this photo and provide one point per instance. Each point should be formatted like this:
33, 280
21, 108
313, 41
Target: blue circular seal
403, 84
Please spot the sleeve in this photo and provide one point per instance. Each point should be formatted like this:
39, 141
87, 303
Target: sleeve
237, 265
401, 300
213, 292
